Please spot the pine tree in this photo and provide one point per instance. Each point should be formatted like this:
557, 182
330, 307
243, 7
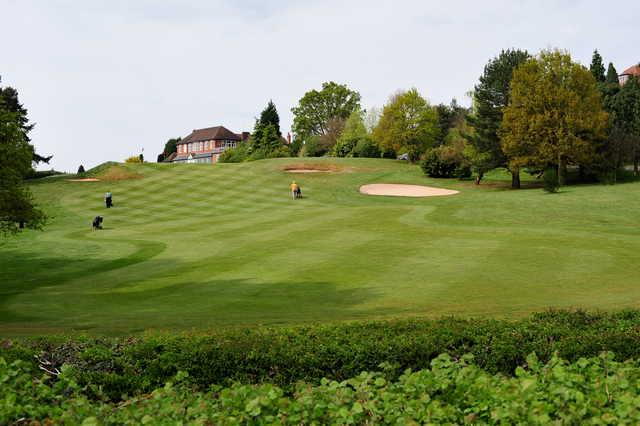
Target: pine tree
490, 97
270, 116
9, 97
597, 67
612, 74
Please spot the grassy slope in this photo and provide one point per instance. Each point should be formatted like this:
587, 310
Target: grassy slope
195, 246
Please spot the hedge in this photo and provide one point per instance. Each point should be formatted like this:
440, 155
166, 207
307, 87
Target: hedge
283, 356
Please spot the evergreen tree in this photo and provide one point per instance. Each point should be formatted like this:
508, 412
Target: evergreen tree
625, 111
81, 169
268, 117
612, 74
9, 96
597, 67
490, 97
17, 209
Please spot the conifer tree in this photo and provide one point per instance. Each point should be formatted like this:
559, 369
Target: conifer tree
597, 67
490, 97
612, 74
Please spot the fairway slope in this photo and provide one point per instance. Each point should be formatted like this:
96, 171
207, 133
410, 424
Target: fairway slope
201, 246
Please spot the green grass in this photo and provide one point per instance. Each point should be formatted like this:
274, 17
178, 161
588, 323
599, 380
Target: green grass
200, 246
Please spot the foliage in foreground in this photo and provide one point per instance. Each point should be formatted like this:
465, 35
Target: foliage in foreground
284, 356
595, 390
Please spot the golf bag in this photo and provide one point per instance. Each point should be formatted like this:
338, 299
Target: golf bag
97, 222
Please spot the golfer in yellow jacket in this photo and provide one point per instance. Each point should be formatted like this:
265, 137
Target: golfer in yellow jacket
295, 190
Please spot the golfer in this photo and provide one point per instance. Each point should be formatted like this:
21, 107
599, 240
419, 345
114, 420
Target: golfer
295, 190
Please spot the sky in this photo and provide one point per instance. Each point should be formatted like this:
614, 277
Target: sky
104, 80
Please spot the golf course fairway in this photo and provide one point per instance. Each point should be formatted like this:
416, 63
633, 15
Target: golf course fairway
196, 247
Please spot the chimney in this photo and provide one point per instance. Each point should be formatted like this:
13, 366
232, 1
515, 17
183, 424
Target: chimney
288, 138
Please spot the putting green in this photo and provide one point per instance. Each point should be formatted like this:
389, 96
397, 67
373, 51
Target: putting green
201, 246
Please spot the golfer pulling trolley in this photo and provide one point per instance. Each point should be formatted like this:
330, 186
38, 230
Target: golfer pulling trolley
295, 190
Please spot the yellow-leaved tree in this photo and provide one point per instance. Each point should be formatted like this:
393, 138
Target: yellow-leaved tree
555, 116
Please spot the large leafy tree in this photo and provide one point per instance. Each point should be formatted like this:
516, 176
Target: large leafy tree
490, 97
408, 125
319, 111
555, 115
354, 132
597, 67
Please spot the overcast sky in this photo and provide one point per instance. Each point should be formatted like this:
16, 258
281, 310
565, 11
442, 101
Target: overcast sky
104, 79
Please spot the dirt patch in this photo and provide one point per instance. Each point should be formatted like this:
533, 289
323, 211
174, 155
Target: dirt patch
84, 180
398, 190
119, 173
312, 168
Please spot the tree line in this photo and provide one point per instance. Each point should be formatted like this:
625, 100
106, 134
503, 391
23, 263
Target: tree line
544, 114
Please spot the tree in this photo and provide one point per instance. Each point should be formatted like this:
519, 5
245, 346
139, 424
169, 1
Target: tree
9, 96
266, 139
266, 134
597, 67
612, 74
408, 125
171, 146
269, 116
81, 169
490, 97
371, 118
625, 112
318, 111
354, 131
555, 115
17, 209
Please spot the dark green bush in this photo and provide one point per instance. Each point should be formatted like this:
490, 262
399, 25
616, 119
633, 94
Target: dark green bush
434, 165
286, 355
550, 178
366, 148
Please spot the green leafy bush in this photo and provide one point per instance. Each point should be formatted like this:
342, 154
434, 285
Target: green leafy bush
366, 148
596, 390
284, 356
235, 155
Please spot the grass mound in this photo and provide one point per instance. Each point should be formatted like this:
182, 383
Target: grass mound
117, 172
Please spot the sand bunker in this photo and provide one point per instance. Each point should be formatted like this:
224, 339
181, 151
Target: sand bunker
398, 190
84, 180
306, 171
311, 168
